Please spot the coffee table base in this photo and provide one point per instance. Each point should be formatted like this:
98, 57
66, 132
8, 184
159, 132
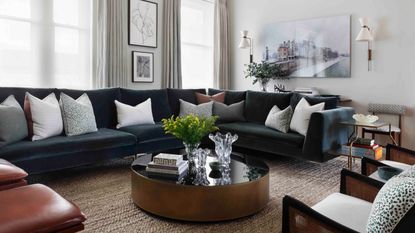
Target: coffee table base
199, 203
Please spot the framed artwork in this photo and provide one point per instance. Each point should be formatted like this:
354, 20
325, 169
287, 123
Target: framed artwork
309, 48
142, 28
143, 67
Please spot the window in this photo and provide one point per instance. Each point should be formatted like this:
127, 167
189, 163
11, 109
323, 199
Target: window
45, 43
197, 43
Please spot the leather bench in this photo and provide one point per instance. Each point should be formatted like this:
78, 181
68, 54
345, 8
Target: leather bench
11, 176
37, 208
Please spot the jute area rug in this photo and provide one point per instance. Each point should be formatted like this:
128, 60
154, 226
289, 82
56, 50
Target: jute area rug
103, 194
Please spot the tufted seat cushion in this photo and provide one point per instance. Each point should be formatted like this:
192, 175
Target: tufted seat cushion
346, 210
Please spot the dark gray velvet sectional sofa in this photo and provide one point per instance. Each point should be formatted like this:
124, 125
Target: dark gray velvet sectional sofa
64, 152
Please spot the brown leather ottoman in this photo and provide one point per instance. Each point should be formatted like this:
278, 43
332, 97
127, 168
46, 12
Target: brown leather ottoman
11, 176
37, 208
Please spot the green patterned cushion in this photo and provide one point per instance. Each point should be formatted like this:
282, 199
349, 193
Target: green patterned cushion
78, 115
391, 204
279, 119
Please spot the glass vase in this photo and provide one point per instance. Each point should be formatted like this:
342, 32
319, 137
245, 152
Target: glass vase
223, 146
190, 149
263, 84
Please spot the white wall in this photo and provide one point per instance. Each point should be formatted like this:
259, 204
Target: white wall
158, 60
392, 79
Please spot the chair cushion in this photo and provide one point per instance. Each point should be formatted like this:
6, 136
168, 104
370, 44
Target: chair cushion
159, 101
346, 210
61, 145
384, 129
187, 95
231, 97
147, 132
261, 131
10, 173
402, 166
258, 104
36, 208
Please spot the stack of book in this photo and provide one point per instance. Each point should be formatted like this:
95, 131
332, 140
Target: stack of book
364, 147
167, 166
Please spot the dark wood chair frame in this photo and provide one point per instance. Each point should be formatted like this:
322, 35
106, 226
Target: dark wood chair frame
393, 153
352, 184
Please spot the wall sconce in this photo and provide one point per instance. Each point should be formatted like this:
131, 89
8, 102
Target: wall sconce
246, 42
365, 34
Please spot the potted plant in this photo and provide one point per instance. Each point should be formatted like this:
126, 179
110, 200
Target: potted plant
263, 73
190, 129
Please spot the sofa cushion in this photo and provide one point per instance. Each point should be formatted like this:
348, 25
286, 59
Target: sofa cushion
187, 95
13, 126
346, 210
229, 113
202, 98
103, 102
61, 145
201, 110
159, 101
231, 97
258, 104
261, 131
141, 114
329, 102
147, 132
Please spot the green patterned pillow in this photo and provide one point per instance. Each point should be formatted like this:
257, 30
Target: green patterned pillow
279, 119
78, 115
391, 204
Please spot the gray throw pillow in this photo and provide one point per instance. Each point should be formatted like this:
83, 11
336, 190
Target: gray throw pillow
201, 110
78, 115
13, 125
229, 113
279, 119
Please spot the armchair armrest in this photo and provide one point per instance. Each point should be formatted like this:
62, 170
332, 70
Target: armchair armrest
359, 186
400, 154
298, 217
325, 133
11, 176
370, 166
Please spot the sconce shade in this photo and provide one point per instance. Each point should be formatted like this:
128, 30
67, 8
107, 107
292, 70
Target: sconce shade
245, 43
364, 34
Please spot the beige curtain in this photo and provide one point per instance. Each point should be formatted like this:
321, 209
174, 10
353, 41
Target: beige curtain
221, 45
172, 71
111, 51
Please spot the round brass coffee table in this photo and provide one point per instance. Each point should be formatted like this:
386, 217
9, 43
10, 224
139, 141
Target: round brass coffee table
204, 195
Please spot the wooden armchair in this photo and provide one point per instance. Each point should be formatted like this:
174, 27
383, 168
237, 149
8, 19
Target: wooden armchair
395, 157
350, 208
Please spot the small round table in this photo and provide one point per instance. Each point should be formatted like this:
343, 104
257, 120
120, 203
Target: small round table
204, 195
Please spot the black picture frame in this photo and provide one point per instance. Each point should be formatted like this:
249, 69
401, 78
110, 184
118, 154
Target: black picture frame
130, 42
134, 68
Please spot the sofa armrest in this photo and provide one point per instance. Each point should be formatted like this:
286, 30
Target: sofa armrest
359, 186
400, 154
325, 133
298, 217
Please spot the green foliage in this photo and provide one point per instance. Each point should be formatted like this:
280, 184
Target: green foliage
263, 71
190, 129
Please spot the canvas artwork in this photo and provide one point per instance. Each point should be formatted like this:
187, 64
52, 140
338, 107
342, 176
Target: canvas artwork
309, 48
143, 68
143, 23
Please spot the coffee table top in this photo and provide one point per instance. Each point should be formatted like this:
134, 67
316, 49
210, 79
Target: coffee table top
242, 169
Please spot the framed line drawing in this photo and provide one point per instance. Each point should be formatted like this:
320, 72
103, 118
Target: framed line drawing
143, 67
143, 23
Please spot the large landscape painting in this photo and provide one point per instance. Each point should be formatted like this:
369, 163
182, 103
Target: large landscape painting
309, 48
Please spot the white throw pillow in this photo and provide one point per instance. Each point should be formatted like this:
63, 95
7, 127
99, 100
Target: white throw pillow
45, 115
301, 117
141, 114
